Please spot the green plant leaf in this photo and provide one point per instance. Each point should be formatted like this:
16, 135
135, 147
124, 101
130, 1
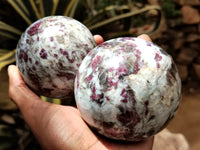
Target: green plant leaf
20, 11
30, 11
6, 27
101, 14
3, 52
117, 17
125, 15
35, 9
8, 58
66, 7
51, 100
23, 7
73, 8
55, 5
8, 35
41, 7
46, 7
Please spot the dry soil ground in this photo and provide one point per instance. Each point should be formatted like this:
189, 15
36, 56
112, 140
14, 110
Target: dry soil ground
187, 119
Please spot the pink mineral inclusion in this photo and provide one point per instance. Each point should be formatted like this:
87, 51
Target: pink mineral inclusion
111, 83
122, 70
94, 96
23, 56
51, 39
158, 57
124, 95
43, 53
89, 78
36, 62
95, 62
34, 29
27, 41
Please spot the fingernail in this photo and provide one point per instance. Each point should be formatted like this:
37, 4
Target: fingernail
98, 39
145, 37
10, 67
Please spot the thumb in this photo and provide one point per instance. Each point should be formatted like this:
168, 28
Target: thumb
18, 90
30, 105
145, 37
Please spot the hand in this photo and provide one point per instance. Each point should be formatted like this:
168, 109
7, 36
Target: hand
60, 127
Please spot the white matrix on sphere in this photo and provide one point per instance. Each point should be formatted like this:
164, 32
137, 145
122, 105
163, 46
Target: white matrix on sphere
127, 89
50, 52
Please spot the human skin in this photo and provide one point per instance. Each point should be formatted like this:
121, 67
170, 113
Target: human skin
58, 127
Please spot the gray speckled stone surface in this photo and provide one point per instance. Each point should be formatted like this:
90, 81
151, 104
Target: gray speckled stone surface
127, 89
50, 52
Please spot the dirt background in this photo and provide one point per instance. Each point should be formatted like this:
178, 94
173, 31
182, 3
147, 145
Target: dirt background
187, 120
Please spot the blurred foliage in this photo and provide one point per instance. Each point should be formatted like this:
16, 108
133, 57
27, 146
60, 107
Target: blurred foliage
14, 133
98, 15
169, 9
28, 12
110, 18
122, 18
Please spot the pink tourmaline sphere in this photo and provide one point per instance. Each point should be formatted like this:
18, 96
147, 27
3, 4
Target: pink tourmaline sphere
50, 52
127, 89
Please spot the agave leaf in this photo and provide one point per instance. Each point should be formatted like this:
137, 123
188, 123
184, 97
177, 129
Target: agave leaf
8, 137
124, 22
159, 25
6, 62
7, 59
20, 11
23, 7
8, 35
6, 144
101, 14
56, 101
91, 7
46, 7
55, 5
11, 137
66, 13
6, 27
51, 100
73, 8
3, 52
41, 7
8, 55
66, 7
125, 15
35, 9
5, 102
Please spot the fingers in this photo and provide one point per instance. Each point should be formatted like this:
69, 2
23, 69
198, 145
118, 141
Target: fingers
30, 105
145, 37
18, 91
14, 76
98, 39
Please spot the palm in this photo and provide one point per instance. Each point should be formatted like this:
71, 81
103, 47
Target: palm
64, 126
60, 127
